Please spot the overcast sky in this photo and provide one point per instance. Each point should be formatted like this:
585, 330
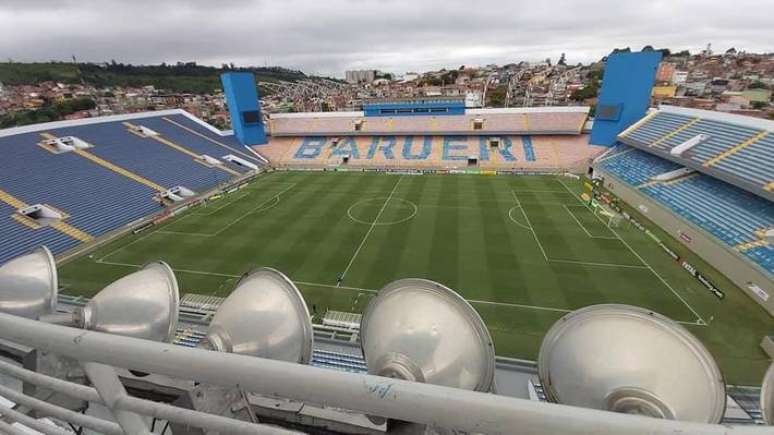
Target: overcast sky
330, 36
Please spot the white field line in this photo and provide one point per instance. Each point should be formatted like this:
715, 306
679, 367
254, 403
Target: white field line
125, 246
256, 209
510, 216
342, 287
538, 191
553, 204
551, 260
531, 228
588, 263
246, 191
506, 304
151, 232
367, 290
258, 189
220, 207
699, 320
578, 222
371, 228
575, 218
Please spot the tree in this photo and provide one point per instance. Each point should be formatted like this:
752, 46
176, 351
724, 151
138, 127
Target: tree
585, 92
497, 96
562, 60
757, 85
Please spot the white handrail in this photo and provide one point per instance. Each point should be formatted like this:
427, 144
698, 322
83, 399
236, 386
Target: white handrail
392, 398
149, 408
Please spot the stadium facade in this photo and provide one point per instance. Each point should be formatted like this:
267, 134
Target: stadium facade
138, 356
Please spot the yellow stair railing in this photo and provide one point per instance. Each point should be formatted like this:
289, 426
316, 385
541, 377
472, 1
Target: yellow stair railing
60, 226
736, 148
676, 132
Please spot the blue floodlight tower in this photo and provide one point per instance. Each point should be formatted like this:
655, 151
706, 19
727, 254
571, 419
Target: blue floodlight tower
625, 95
244, 106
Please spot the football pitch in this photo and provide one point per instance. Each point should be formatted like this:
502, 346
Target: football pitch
524, 250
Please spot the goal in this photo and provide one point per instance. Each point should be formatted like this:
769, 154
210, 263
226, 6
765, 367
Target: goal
612, 218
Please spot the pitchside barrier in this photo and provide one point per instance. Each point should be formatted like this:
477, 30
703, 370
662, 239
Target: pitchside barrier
431, 171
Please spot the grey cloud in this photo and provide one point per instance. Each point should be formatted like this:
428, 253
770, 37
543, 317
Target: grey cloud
395, 35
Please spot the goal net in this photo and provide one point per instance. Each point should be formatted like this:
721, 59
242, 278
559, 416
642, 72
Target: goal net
612, 218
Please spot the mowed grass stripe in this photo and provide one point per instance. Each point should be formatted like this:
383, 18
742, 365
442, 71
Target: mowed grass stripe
373, 266
335, 238
461, 220
446, 236
416, 237
286, 225
506, 275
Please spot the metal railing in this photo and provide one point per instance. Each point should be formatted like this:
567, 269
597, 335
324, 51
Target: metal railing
413, 402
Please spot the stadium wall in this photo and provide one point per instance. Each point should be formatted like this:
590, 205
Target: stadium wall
493, 122
740, 271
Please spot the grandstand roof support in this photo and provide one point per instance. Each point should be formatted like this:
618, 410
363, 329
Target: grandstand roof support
393, 398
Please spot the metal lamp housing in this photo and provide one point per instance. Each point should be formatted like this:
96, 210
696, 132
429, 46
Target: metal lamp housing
265, 316
28, 284
628, 359
419, 330
143, 304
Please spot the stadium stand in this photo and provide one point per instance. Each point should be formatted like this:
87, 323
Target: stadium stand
320, 358
339, 361
636, 167
549, 153
108, 185
146, 157
181, 129
553, 120
19, 238
732, 215
737, 149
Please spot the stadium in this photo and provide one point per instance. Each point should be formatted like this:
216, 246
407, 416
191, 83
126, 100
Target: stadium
379, 270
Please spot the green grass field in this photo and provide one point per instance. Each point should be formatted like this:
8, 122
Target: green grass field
522, 249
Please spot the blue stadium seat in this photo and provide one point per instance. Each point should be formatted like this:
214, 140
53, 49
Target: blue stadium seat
763, 255
637, 167
147, 157
196, 143
97, 199
751, 164
19, 239
723, 210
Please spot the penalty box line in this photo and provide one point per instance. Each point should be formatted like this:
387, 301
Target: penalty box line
257, 208
583, 227
551, 260
699, 319
161, 231
370, 291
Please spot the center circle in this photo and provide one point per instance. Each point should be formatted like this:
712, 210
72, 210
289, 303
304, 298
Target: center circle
366, 211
